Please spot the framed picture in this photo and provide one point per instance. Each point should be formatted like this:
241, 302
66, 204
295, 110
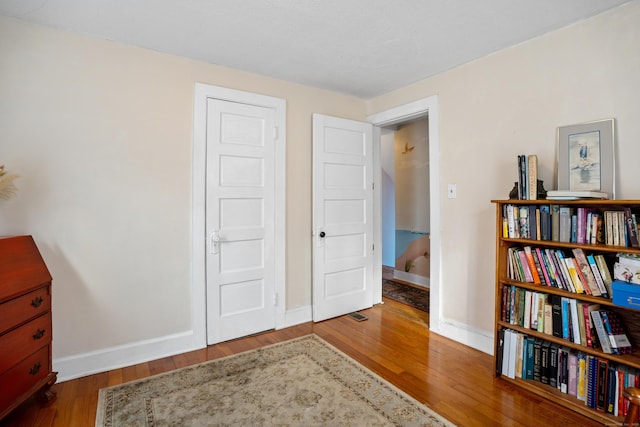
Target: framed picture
586, 157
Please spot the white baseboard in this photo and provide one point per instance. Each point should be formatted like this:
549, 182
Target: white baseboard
411, 278
464, 334
94, 362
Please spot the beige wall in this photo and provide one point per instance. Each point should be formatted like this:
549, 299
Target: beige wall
511, 103
412, 176
101, 135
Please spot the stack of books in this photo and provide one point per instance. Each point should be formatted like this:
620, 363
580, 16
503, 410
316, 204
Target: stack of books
576, 195
527, 177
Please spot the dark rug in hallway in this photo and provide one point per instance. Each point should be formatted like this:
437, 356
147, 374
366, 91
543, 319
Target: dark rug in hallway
407, 294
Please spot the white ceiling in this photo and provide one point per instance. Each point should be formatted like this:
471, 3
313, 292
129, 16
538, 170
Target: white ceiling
358, 47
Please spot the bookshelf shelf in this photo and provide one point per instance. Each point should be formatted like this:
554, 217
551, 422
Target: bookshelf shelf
510, 281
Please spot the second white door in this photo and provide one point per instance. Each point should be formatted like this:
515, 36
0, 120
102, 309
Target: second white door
342, 216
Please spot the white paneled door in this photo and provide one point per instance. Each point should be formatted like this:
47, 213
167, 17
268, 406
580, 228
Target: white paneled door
342, 216
240, 186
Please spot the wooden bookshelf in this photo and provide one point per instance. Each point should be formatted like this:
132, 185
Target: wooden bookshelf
630, 317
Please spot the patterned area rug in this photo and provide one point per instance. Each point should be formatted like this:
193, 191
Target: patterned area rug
302, 382
407, 294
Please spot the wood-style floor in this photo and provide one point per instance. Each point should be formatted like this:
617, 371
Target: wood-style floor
454, 380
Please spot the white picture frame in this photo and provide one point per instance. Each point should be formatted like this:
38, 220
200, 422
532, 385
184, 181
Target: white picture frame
586, 160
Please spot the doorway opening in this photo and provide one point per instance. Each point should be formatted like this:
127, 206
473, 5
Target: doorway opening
405, 211
388, 122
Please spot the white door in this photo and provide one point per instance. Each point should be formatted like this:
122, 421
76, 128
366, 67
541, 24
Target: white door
342, 216
240, 187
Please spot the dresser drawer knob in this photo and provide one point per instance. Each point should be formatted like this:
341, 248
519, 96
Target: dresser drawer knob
39, 334
37, 301
34, 370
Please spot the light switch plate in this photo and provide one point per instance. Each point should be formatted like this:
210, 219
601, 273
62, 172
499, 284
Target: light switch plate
451, 191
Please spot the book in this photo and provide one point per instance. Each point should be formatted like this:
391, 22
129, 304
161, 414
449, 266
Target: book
532, 163
528, 358
565, 224
546, 274
589, 329
573, 274
605, 273
581, 390
632, 230
585, 272
532, 265
518, 355
576, 195
601, 332
592, 380
556, 314
537, 360
541, 314
580, 306
601, 384
555, 223
523, 221
547, 328
596, 274
566, 318
573, 321
527, 310
620, 343
554, 368
533, 222
545, 367
572, 371
545, 222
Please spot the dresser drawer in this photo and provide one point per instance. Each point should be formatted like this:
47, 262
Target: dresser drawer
19, 379
19, 343
18, 310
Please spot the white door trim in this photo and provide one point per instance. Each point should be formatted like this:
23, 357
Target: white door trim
198, 277
424, 107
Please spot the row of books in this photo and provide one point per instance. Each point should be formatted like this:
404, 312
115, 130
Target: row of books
580, 273
572, 225
527, 177
592, 379
579, 322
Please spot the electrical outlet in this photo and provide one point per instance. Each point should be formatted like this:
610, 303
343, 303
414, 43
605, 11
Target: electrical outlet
451, 191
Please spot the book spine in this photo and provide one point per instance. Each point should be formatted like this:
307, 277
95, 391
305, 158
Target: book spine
532, 265
592, 379
598, 277
575, 326
543, 267
602, 377
585, 273
533, 177
581, 390
603, 337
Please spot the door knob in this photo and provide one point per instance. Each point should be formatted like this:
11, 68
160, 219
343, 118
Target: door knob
322, 234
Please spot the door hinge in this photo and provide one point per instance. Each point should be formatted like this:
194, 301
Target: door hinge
373, 185
275, 132
275, 299
373, 247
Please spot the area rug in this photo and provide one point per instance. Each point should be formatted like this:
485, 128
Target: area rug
302, 382
407, 294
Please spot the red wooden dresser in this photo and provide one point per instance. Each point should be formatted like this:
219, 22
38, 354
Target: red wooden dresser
25, 323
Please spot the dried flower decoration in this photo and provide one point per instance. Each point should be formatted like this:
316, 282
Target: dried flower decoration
7, 187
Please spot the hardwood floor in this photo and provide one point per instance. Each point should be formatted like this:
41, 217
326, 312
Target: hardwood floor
454, 380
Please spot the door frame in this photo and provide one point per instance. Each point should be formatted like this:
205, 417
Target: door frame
403, 113
202, 92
